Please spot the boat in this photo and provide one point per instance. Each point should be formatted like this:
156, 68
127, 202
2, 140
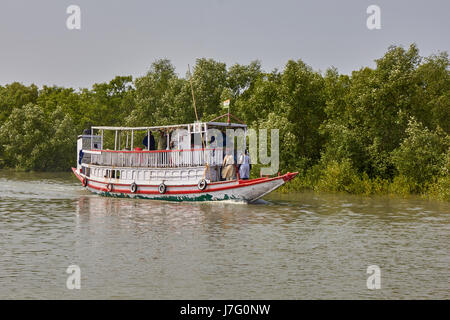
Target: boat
186, 168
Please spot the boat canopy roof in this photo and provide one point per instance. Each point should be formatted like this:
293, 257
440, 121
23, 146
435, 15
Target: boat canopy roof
210, 124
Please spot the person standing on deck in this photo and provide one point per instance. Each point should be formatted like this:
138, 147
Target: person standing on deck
228, 169
152, 142
244, 166
162, 141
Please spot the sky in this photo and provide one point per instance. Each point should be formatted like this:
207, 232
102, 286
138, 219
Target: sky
125, 37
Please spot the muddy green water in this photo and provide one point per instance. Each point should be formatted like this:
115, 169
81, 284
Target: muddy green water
296, 246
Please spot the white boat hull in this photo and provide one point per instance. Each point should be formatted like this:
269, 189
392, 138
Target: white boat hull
238, 190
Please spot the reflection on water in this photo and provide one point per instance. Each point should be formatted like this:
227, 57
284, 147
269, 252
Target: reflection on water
295, 246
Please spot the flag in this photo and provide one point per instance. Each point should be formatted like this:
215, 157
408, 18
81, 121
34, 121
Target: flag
226, 103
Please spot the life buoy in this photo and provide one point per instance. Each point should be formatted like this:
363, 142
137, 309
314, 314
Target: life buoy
84, 182
133, 187
202, 184
162, 188
109, 187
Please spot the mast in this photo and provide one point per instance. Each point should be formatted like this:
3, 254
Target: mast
201, 127
192, 90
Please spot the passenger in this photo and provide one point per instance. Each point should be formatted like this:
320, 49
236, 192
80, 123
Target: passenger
212, 145
228, 169
244, 166
173, 144
212, 173
80, 156
162, 140
152, 142
224, 140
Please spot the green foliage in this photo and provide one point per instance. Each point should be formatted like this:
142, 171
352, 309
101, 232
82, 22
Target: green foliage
241, 78
431, 98
15, 95
35, 141
338, 176
302, 100
404, 186
439, 189
421, 154
209, 80
367, 114
111, 101
287, 140
259, 99
377, 131
160, 97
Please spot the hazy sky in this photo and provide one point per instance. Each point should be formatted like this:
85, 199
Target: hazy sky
125, 37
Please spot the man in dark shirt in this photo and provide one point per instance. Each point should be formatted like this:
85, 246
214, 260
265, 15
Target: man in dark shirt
152, 142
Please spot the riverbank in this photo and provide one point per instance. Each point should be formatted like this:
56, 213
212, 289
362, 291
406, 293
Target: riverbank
337, 181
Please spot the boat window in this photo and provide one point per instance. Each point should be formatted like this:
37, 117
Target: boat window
115, 174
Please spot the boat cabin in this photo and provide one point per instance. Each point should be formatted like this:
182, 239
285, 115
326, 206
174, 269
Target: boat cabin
176, 154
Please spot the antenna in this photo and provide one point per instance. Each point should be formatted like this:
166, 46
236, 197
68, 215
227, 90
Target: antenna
196, 117
192, 90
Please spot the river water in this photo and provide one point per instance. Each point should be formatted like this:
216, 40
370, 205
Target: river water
294, 246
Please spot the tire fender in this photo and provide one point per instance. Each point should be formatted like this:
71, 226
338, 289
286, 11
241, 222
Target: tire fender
202, 184
162, 188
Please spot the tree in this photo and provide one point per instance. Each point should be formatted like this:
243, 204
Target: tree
422, 154
302, 101
15, 95
259, 99
432, 92
209, 80
112, 102
367, 119
287, 139
34, 141
241, 78
160, 96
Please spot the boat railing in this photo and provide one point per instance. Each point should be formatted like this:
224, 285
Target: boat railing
158, 158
